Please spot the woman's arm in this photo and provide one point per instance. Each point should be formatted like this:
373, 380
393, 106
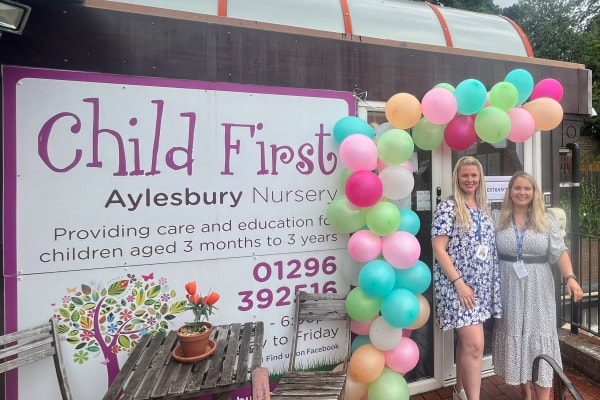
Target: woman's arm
566, 269
464, 291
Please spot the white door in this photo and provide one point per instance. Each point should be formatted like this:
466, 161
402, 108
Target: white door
499, 161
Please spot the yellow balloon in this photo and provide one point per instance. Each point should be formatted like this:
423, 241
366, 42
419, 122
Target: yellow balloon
366, 363
403, 110
424, 312
546, 112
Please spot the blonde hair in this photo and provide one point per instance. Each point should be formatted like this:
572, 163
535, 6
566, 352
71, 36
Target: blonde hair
536, 212
463, 217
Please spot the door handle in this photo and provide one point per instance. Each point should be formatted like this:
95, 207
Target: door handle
438, 195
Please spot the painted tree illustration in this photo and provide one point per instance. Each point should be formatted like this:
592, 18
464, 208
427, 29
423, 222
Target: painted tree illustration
109, 320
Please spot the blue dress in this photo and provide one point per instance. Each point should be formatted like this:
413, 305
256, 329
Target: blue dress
481, 275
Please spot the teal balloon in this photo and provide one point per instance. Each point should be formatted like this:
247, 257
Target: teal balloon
504, 95
400, 308
350, 125
389, 385
492, 124
427, 136
377, 278
471, 96
409, 221
395, 146
383, 218
358, 341
343, 217
446, 86
360, 306
416, 278
523, 81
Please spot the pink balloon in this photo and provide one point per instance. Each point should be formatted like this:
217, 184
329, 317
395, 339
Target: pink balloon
364, 246
522, 125
406, 164
439, 106
460, 132
404, 357
361, 327
401, 249
548, 87
358, 152
363, 188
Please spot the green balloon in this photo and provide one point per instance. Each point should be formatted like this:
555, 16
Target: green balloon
427, 136
344, 176
389, 385
395, 146
504, 95
492, 124
343, 217
360, 306
383, 218
446, 86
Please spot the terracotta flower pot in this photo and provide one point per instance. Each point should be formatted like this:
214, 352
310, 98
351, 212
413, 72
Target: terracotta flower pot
194, 344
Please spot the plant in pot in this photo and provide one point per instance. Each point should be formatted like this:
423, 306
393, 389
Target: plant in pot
194, 336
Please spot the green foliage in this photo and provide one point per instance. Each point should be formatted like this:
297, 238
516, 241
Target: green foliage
589, 209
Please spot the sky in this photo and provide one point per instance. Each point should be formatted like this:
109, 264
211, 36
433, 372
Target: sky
504, 3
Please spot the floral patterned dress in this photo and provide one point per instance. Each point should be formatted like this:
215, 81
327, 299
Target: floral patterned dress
528, 327
481, 275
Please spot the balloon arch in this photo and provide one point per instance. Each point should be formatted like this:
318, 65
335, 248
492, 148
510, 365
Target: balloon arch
387, 303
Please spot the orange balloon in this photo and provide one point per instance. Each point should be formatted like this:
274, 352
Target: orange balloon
546, 112
355, 390
424, 312
366, 364
403, 110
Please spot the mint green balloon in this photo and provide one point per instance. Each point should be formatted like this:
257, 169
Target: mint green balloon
427, 136
343, 217
344, 176
395, 146
446, 86
383, 218
360, 306
492, 124
389, 385
504, 95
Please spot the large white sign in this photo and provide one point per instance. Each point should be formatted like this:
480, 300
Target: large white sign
119, 186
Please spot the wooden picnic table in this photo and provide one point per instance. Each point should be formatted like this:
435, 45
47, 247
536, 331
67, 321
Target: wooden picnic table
151, 372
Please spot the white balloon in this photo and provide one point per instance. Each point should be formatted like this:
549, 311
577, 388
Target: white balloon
350, 269
384, 336
398, 182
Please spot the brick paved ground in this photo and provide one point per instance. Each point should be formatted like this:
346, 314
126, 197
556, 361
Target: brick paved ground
493, 388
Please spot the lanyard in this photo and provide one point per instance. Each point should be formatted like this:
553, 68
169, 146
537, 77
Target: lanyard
477, 223
520, 235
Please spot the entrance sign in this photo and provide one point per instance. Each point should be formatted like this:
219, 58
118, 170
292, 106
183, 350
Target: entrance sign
118, 190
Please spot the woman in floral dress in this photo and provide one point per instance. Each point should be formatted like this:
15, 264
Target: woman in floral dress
528, 240
465, 274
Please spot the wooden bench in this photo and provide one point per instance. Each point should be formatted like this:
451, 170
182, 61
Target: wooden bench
30, 345
314, 385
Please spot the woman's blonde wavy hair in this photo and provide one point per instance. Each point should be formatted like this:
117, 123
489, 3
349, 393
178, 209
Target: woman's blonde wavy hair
463, 218
536, 213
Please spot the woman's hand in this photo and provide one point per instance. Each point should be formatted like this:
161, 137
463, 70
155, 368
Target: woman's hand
465, 294
574, 290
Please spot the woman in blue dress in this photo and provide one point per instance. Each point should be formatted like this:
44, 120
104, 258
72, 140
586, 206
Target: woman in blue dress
466, 281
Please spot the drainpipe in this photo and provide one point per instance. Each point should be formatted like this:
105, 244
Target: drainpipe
575, 238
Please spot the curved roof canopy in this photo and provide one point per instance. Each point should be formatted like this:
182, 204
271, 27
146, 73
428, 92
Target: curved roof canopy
397, 20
